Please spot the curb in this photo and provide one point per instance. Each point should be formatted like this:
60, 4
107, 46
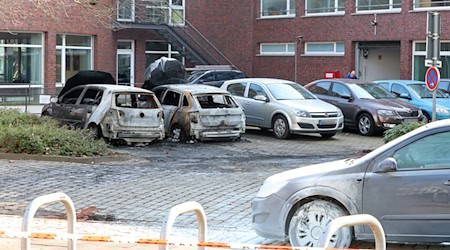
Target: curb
58, 158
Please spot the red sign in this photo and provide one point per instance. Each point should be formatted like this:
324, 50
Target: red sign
432, 78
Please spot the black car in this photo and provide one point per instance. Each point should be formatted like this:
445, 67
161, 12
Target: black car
214, 77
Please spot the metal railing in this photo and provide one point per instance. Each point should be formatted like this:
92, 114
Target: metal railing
24, 97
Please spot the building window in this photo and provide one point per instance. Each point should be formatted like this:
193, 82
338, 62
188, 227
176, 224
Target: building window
125, 10
73, 54
277, 8
378, 5
21, 58
325, 48
157, 49
325, 7
419, 54
166, 11
431, 4
277, 49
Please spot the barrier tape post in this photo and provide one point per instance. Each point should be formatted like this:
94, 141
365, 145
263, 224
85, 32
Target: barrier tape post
178, 210
31, 211
354, 220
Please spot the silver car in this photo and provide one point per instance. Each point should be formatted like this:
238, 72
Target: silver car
284, 106
405, 184
200, 112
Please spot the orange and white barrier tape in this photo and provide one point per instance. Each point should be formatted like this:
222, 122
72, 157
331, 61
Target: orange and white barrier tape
144, 241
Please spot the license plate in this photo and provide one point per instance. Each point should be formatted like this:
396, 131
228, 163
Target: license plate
326, 122
410, 120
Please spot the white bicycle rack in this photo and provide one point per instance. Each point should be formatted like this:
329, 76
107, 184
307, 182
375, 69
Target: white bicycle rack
354, 220
177, 210
45, 199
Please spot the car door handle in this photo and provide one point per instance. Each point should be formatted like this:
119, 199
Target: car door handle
447, 183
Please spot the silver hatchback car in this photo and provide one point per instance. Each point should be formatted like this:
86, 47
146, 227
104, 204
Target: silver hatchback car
284, 106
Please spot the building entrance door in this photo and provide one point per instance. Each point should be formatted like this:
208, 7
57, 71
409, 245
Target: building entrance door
378, 61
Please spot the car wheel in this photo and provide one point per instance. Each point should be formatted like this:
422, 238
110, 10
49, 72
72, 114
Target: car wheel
310, 222
177, 134
280, 127
426, 117
366, 125
96, 130
45, 113
327, 135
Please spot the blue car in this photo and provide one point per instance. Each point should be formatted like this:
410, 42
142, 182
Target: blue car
417, 93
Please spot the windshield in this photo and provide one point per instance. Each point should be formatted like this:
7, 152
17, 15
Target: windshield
360, 92
212, 101
194, 76
289, 91
377, 91
422, 91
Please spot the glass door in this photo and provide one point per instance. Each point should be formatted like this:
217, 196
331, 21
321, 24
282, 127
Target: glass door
125, 63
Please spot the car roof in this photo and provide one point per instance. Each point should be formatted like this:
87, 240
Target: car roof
346, 80
261, 80
402, 81
116, 88
194, 88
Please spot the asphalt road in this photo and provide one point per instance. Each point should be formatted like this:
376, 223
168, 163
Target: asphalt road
137, 193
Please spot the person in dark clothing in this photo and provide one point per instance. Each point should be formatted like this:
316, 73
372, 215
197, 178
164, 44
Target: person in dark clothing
351, 75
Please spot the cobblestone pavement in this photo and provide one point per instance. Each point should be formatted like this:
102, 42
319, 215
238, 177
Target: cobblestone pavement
222, 176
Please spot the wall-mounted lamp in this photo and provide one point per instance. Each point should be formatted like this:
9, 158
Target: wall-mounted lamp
365, 53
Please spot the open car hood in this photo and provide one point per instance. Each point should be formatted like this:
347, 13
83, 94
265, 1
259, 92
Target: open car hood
87, 77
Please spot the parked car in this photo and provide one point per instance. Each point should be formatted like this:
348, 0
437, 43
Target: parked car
214, 77
366, 107
200, 112
404, 184
417, 93
114, 112
285, 107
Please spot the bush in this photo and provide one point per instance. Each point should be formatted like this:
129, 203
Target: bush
27, 133
400, 130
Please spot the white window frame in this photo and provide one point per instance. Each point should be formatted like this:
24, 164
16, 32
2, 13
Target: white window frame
431, 8
170, 9
391, 8
288, 7
285, 53
167, 53
424, 53
335, 12
63, 49
324, 53
41, 46
126, 52
133, 6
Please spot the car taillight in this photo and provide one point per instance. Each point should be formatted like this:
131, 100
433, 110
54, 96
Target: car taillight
193, 117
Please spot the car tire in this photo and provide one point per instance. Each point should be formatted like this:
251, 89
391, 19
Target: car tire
365, 124
45, 113
280, 127
177, 133
327, 135
96, 130
426, 118
310, 221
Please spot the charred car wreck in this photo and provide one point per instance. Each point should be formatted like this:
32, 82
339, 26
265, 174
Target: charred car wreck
90, 100
200, 112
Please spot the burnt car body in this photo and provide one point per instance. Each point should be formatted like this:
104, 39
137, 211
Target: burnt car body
200, 112
114, 112
366, 106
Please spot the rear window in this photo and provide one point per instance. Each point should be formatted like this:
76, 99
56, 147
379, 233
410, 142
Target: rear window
135, 100
212, 101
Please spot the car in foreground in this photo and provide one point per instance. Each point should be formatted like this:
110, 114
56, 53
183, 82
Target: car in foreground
417, 93
214, 77
117, 113
200, 112
285, 107
404, 184
366, 107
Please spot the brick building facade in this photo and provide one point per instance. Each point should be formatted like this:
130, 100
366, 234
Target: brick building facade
291, 39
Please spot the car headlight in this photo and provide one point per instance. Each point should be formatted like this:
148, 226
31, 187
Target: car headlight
385, 112
442, 111
301, 113
339, 113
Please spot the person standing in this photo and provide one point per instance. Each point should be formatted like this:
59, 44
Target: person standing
352, 75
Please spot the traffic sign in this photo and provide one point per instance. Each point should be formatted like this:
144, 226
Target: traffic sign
432, 78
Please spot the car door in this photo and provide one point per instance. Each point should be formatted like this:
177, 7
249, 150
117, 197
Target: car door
65, 109
237, 90
342, 97
89, 100
170, 104
257, 112
412, 201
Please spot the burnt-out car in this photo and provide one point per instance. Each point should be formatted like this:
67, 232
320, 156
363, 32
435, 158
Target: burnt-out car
117, 113
200, 112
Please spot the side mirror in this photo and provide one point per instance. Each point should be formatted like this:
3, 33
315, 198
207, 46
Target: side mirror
261, 98
405, 96
387, 165
346, 96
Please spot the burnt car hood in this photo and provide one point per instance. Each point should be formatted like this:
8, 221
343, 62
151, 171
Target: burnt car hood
87, 77
390, 103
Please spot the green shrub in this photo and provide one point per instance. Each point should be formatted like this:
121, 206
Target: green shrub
27, 133
400, 130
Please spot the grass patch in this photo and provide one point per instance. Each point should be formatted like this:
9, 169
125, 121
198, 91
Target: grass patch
27, 133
